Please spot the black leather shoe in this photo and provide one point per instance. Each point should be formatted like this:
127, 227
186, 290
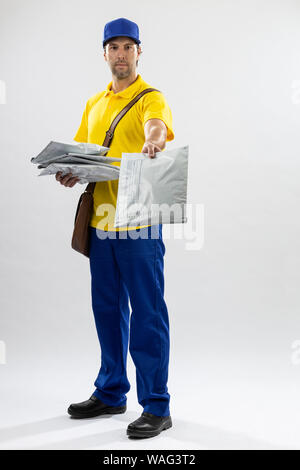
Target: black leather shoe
148, 425
93, 407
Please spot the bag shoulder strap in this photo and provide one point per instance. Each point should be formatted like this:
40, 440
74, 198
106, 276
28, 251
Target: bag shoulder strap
110, 133
111, 130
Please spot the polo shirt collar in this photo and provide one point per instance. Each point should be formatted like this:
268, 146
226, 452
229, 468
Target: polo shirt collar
128, 92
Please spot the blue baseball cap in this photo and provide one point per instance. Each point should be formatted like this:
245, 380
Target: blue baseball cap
121, 27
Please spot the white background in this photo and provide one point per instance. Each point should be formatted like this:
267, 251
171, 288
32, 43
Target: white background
230, 71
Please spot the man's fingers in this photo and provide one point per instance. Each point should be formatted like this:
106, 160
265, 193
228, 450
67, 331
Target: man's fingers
151, 149
59, 176
68, 180
150, 153
72, 182
65, 179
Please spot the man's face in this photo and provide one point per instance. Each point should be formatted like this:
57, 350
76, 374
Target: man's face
121, 53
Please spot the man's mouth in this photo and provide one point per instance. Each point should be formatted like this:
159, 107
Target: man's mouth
122, 64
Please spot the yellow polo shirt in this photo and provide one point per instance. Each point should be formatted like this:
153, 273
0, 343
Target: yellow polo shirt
129, 137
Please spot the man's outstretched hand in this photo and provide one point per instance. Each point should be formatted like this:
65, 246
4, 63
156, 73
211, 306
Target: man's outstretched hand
67, 180
151, 148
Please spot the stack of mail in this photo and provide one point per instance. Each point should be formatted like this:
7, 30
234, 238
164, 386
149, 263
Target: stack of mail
86, 161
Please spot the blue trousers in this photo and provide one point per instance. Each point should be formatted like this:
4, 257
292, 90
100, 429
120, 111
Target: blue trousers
124, 269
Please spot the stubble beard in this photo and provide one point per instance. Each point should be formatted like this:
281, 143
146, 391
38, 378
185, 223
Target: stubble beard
121, 73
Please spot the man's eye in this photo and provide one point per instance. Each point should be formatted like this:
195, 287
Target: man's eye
115, 47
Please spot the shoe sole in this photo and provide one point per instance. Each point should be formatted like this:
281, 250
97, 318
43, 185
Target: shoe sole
139, 433
113, 410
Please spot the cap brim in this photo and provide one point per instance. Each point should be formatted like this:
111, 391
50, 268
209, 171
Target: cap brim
137, 41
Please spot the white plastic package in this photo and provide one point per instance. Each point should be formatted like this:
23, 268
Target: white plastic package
152, 190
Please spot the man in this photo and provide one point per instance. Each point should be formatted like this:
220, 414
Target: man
124, 267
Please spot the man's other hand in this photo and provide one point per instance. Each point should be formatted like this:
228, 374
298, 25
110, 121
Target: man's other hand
67, 180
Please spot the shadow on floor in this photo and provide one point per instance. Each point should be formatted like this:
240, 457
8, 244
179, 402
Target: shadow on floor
186, 433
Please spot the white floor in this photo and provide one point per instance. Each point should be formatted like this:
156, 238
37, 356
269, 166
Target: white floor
219, 404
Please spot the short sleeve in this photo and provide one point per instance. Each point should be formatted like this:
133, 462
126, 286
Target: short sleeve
82, 132
155, 106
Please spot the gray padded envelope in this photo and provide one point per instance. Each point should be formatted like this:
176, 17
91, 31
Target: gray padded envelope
145, 184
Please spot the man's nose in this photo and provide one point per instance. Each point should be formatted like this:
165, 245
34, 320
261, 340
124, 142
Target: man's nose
121, 52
